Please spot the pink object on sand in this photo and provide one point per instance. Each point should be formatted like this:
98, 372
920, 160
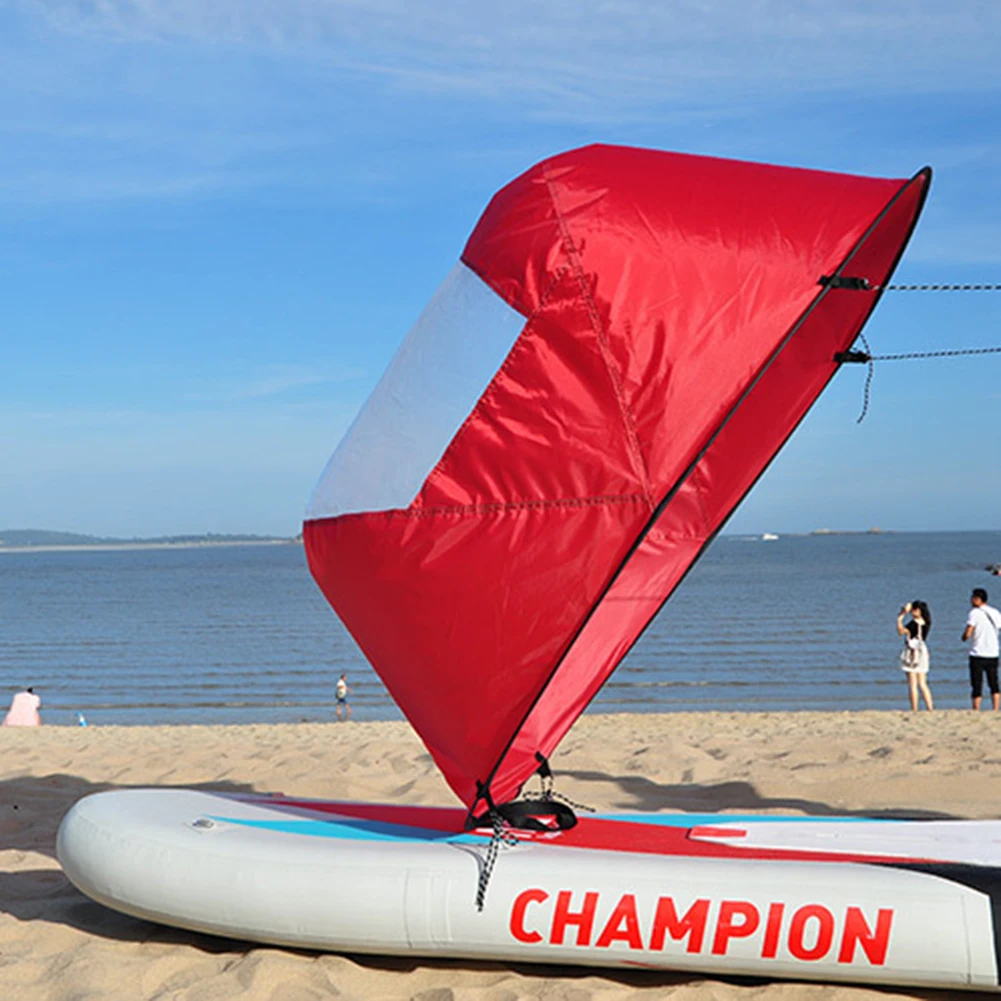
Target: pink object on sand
23, 710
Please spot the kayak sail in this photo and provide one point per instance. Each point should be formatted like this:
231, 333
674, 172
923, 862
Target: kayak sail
627, 340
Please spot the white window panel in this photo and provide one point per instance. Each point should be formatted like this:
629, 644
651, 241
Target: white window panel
429, 389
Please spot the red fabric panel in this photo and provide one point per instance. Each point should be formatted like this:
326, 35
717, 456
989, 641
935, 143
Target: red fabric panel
463, 613
696, 267
616, 623
730, 466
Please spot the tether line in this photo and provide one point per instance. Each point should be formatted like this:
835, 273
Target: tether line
857, 283
867, 358
934, 354
936, 288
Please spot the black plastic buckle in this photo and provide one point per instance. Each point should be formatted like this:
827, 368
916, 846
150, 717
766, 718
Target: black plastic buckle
857, 357
844, 281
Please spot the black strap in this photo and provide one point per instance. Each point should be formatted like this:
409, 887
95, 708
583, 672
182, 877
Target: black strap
525, 814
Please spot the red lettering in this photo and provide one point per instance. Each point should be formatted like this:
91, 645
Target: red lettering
622, 925
737, 919
726, 928
563, 916
797, 932
521, 903
692, 924
772, 928
857, 931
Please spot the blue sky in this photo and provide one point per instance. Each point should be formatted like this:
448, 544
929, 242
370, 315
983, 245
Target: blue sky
218, 218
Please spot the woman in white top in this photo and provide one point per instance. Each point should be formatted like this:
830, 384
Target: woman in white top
914, 658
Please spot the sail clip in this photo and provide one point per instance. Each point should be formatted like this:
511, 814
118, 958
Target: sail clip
855, 284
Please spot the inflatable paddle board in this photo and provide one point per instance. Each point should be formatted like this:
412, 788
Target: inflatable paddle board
877, 901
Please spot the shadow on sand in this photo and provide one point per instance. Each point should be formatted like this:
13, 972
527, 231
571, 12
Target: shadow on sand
31, 809
644, 796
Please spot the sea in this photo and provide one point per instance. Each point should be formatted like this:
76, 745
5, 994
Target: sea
233, 634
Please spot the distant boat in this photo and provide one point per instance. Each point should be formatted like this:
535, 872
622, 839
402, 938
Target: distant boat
769, 537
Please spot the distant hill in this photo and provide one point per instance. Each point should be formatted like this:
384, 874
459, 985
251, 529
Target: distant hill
19, 537
40, 537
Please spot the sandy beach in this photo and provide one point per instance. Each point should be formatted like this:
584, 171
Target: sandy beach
56, 945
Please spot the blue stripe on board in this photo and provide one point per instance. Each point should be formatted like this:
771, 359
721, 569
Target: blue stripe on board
356, 830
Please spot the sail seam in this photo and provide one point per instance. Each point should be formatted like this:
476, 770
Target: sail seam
498, 506
528, 505
544, 298
632, 437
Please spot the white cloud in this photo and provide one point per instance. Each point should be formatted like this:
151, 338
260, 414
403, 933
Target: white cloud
575, 50
169, 99
267, 383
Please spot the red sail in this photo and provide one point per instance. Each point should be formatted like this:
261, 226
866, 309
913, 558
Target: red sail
628, 340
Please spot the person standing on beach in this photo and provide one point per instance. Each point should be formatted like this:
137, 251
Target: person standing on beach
914, 659
981, 632
342, 697
24, 709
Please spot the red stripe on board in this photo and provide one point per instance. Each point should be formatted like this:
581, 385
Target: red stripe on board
591, 833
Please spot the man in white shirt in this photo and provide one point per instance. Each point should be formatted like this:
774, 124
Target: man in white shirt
982, 626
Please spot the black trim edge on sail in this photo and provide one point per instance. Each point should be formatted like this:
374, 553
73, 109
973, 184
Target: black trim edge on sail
831, 284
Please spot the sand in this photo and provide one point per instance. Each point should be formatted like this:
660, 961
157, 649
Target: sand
55, 944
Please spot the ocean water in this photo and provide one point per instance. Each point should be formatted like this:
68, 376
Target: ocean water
240, 634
